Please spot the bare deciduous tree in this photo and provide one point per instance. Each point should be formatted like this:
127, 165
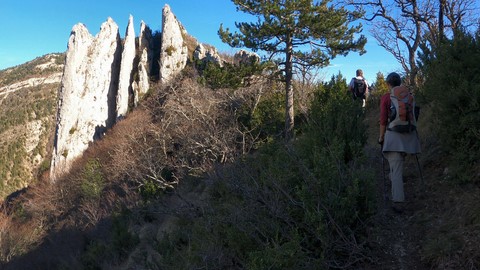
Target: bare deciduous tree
400, 26
460, 13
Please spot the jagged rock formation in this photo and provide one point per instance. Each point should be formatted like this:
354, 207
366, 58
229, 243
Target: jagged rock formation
174, 52
126, 70
86, 105
245, 57
145, 45
102, 78
207, 54
97, 86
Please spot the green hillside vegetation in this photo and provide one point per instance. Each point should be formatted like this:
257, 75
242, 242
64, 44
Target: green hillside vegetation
30, 69
19, 108
198, 176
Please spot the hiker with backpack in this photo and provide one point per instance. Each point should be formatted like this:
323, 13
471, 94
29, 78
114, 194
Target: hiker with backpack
359, 87
398, 134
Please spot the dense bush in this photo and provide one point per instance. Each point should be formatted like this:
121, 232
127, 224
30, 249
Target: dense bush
286, 207
99, 253
228, 75
453, 91
93, 180
266, 118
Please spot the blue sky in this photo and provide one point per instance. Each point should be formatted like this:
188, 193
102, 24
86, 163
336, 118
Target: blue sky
32, 28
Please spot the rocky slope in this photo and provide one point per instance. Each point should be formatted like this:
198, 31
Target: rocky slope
84, 92
27, 105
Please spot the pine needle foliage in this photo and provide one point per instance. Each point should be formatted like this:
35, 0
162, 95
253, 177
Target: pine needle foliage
298, 33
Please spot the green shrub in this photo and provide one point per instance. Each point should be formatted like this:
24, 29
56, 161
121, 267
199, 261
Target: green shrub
123, 240
114, 251
92, 180
94, 255
267, 119
170, 50
285, 207
150, 190
453, 91
228, 75
442, 247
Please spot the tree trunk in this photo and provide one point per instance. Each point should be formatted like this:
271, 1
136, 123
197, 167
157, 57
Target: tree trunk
289, 113
441, 25
412, 76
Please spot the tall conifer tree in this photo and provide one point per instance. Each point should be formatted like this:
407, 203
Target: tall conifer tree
299, 32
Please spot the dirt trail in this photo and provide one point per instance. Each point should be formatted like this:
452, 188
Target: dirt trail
394, 237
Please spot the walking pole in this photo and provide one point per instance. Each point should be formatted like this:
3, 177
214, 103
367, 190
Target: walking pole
421, 174
385, 196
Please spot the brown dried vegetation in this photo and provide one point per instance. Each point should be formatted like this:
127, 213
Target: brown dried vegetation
180, 130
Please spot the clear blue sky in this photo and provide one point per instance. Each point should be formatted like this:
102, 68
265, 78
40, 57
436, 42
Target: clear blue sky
32, 28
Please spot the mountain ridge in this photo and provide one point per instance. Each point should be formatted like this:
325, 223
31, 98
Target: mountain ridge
27, 94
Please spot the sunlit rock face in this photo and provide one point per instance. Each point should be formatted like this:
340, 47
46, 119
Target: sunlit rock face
145, 48
87, 97
245, 57
126, 70
102, 78
207, 54
174, 52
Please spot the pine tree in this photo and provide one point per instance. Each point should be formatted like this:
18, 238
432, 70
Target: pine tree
381, 86
300, 32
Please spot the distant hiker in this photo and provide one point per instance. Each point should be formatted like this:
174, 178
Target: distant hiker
359, 87
398, 134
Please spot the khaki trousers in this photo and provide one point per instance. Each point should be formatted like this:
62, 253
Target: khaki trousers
395, 161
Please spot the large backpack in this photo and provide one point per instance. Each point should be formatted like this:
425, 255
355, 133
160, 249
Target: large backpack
359, 88
403, 118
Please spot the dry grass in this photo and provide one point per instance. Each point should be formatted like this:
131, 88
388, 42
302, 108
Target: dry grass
180, 130
17, 236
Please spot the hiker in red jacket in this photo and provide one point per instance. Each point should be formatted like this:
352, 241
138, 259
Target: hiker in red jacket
398, 134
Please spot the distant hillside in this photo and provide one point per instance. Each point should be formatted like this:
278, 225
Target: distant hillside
28, 94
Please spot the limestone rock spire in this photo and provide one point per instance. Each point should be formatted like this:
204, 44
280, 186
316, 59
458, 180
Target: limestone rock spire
86, 105
145, 47
174, 52
100, 75
126, 70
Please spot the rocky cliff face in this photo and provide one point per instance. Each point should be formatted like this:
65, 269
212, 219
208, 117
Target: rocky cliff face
207, 54
126, 70
86, 105
145, 48
245, 57
103, 77
174, 53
